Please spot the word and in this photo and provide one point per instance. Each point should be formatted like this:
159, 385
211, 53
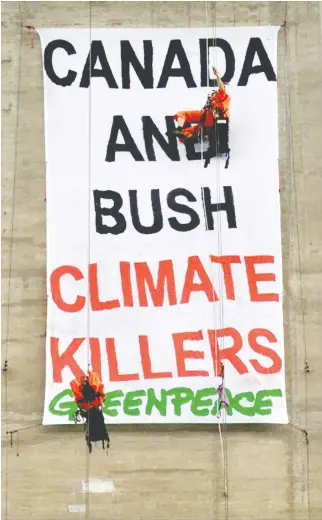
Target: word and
97, 64
200, 403
121, 132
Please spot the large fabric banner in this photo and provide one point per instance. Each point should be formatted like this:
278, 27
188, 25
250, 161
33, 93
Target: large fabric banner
165, 276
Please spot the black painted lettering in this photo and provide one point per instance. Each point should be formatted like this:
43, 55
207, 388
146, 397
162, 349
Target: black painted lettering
227, 206
67, 80
119, 125
143, 72
97, 52
150, 131
256, 46
183, 209
176, 50
157, 213
204, 46
114, 211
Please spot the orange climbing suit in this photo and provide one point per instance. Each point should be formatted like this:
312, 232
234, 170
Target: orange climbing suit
219, 100
97, 385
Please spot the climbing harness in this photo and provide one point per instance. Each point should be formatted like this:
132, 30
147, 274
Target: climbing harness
221, 391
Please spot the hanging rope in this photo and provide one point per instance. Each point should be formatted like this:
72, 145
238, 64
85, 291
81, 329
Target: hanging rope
295, 188
15, 433
204, 205
6, 361
306, 364
222, 432
224, 458
88, 331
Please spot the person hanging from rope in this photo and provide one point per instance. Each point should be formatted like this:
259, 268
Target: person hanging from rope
196, 124
221, 392
89, 396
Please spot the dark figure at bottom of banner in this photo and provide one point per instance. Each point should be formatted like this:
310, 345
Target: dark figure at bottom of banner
89, 396
211, 122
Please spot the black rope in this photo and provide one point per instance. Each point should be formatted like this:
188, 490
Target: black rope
294, 184
88, 445
6, 363
306, 365
224, 432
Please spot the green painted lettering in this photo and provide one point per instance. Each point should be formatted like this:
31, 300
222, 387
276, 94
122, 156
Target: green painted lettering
244, 410
132, 401
153, 401
111, 401
263, 406
199, 406
202, 402
64, 407
181, 396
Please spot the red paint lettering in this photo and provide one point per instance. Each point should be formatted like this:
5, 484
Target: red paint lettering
146, 361
95, 347
55, 277
225, 262
229, 353
254, 278
165, 281
113, 364
66, 359
181, 354
125, 272
264, 351
195, 267
96, 304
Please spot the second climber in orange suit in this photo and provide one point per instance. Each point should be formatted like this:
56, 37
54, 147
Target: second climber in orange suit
88, 391
89, 395
217, 106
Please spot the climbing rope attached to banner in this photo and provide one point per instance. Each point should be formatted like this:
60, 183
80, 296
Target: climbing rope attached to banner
88, 260
222, 436
7, 334
219, 248
293, 184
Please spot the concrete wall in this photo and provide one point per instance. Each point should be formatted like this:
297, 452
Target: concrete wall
162, 472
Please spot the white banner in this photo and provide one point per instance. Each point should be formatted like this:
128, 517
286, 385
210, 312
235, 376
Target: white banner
160, 269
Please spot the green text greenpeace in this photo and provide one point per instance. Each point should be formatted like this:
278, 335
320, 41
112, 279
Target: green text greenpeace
200, 403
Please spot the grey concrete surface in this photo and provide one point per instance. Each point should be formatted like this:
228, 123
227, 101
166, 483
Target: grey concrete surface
162, 473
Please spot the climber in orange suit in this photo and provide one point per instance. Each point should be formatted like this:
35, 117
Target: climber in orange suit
88, 391
217, 106
89, 395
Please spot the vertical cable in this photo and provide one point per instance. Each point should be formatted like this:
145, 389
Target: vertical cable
289, 123
223, 441
295, 188
213, 278
290, 164
10, 259
88, 332
219, 240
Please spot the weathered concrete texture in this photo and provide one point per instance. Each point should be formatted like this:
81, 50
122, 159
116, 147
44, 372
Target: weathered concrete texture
163, 472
